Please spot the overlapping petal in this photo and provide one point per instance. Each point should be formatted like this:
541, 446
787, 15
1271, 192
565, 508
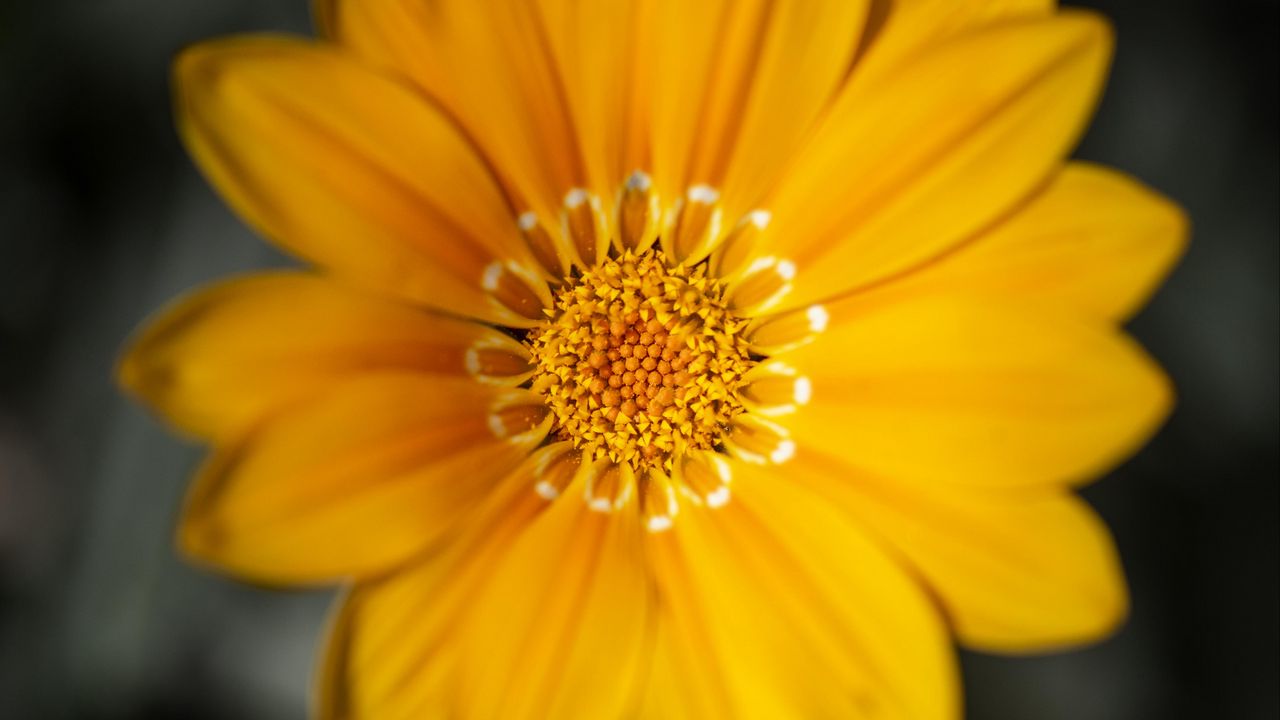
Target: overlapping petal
724, 71
907, 160
901, 29
357, 480
539, 611
490, 66
1093, 241
962, 390
913, 163
1014, 570
223, 359
356, 173
562, 95
776, 605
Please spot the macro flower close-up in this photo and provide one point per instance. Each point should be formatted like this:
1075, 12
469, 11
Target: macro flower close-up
665, 359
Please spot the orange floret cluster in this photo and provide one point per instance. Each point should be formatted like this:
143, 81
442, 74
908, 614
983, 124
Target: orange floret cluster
640, 360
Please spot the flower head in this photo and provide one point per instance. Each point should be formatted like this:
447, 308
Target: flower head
666, 359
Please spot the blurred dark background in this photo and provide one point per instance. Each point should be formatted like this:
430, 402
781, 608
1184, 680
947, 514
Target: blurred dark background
102, 218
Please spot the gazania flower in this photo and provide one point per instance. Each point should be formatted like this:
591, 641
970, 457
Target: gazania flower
666, 359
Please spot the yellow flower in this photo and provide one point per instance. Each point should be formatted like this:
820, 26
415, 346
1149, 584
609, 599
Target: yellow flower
666, 359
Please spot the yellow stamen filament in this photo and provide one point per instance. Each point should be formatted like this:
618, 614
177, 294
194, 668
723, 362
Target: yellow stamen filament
640, 361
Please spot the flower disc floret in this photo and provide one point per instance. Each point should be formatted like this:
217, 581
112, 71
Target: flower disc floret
640, 361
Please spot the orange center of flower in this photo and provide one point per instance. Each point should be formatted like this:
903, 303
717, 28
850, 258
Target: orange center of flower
641, 361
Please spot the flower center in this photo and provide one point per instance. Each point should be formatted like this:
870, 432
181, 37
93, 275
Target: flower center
640, 361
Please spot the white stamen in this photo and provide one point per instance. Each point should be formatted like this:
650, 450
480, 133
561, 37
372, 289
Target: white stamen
527, 220
760, 264
704, 194
777, 367
818, 318
599, 504
748, 456
471, 360
803, 390
576, 197
497, 426
639, 181
492, 274
658, 523
784, 452
786, 270
722, 469
546, 490
759, 218
718, 497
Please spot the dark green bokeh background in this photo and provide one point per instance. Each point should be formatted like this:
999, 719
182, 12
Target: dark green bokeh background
102, 218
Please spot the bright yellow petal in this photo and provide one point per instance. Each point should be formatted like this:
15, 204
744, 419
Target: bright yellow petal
392, 652
1015, 571
959, 390
223, 358
914, 163
599, 53
560, 628
737, 87
1093, 241
536, 614
357, 480
356, 173
490, 65
901, 29
776, 605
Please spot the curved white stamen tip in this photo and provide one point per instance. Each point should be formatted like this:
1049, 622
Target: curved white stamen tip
546, 490
748, 456
784, 452
786, 269
576, 197
639, 181
497, 426
777, 367
599, 504
718, 497
471, 360
492, 274
818, 318
722, 469
803, 392
776, 410
527, 220
704, 194
763, 263
658, 523
759, 218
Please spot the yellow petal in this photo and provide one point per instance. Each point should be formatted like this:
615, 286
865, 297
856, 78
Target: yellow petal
1015, 571
358, 480
489, 64
916, 162
775, 605
1093, 241
391, 653
536, 614
960, 390
900, 29
562, 95
599, 54
738, 85
560, 628
356, 173
222, 359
